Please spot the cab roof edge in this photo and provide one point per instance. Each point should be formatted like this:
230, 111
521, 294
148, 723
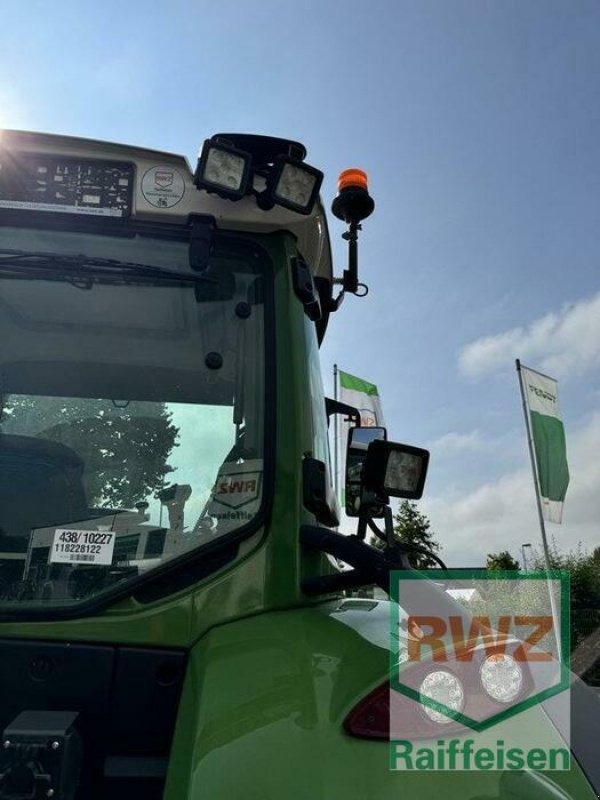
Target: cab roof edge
31, 137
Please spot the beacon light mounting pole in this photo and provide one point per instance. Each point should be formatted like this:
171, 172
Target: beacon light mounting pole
352, 204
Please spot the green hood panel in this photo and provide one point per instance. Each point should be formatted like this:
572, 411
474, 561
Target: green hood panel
263, 706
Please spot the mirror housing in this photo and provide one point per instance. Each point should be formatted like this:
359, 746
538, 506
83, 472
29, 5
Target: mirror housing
395, 470
359, 441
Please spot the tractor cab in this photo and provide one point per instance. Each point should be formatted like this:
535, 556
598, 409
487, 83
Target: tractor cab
172, 617
138, 332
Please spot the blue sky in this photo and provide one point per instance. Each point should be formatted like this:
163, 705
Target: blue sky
479, 125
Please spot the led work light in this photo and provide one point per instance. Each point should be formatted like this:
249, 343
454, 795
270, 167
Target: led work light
396, 470
294, 185
223, 169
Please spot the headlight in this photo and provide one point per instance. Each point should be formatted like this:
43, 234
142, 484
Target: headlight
501, 677
444, 688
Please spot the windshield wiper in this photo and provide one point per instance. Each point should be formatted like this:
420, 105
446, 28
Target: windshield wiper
79, 267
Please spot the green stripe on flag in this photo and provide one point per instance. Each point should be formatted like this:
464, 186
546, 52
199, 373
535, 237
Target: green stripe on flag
551, 455
348, 381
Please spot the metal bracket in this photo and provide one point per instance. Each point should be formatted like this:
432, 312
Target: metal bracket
305, 289
201, 236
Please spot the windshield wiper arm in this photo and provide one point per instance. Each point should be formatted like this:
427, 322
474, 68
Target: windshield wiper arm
82, 266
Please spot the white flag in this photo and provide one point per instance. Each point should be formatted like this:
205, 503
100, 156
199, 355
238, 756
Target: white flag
548, 434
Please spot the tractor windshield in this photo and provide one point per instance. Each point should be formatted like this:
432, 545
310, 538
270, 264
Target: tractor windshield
131, 408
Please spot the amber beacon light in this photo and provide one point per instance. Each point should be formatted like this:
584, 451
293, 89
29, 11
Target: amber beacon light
353, 178
352, 204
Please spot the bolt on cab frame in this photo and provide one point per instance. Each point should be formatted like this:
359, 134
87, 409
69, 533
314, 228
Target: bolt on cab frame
163, 443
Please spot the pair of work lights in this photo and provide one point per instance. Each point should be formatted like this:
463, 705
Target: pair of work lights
229, 172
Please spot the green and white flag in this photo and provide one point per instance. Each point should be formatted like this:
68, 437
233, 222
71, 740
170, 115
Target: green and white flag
364, 396
549, 445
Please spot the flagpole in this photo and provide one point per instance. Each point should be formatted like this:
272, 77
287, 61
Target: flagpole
536, 483
336, 477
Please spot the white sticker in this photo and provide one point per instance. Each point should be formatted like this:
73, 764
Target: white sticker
237, 491
82, 547
163, 187
27, 205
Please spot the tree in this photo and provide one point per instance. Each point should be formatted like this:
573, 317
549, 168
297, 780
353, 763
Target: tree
584, 574
502, 561
125, 449
583, 569
412, 528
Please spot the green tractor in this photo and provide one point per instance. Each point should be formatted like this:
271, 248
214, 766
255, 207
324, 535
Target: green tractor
174, 622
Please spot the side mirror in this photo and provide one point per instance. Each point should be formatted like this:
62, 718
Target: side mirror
395, 470
359, 441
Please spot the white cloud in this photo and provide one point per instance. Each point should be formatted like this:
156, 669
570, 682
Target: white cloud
454, 442
561, 343
501, 514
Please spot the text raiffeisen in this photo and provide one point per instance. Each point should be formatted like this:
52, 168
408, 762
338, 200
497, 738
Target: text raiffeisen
463, 754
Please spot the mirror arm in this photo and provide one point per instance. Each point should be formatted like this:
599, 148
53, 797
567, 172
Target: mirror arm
370, 565
336, 407
423, 550
389, 526
327, 584
363, 521
386, 536
394, 546
349, 549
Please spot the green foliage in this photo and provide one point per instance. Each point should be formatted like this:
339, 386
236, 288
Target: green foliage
584, 572
501, 561
583, 568
411, 527
125, 450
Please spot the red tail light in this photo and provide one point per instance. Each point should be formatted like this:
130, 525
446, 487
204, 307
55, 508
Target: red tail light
370, 719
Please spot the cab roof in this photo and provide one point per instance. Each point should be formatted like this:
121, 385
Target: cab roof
163, 190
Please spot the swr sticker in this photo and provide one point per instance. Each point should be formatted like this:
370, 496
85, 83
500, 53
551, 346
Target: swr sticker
237, 489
